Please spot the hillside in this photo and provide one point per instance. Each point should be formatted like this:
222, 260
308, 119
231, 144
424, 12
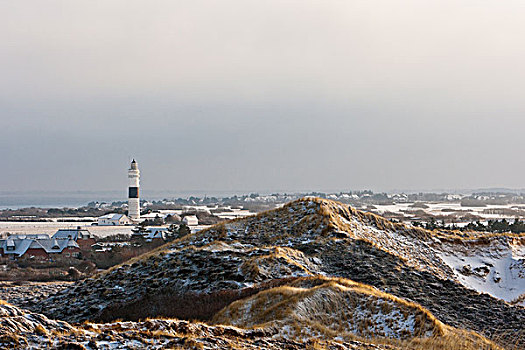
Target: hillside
21, 329
380, 322
316, 307
197, 276
328, 308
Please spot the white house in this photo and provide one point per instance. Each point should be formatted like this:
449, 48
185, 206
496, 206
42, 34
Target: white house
190, 220
113, 220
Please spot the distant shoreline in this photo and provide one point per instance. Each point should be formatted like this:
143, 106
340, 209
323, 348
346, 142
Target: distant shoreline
48, 200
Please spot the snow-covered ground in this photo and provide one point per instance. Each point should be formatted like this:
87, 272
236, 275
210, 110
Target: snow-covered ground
445, 208
492, 264
228, 212
341, 306
497, 269
235, 213
52, 227
18, 227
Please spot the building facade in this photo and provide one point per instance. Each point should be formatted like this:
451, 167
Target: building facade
190, 220
113, 220
38, 247
82, 237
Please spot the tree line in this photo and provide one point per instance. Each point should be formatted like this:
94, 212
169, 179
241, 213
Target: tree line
495, 226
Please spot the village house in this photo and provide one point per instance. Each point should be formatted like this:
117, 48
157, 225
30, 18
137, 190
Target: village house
151, 233
113, 220
82, 237
38, 247
190, 220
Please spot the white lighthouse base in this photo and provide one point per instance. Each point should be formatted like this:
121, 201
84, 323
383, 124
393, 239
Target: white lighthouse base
134, 209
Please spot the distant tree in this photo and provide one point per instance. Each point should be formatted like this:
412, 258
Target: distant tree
158, 221
431, 225
499, 226
173, 232
479, 226
140, 227
183, 230
517, 226
172, 219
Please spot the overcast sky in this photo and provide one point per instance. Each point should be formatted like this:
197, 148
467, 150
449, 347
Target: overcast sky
262, 95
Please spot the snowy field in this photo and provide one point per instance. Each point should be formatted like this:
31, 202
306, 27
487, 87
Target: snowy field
456, 209
52, 227
103, 231
229, 214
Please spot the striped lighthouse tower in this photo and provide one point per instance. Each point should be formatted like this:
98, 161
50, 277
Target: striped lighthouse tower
133, 193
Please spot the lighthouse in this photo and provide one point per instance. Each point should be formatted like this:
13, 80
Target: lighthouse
133, 193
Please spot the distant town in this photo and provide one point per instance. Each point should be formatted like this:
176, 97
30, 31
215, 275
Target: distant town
414, 207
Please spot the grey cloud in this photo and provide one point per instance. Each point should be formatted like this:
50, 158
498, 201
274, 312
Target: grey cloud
250, 95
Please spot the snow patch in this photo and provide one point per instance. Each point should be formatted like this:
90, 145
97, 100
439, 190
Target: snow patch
500, 275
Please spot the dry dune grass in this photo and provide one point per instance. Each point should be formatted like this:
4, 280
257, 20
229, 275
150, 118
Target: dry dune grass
518, 300
328, 305
452, 340
276, 303
256, 225
336, 211
336, 308
279, 257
